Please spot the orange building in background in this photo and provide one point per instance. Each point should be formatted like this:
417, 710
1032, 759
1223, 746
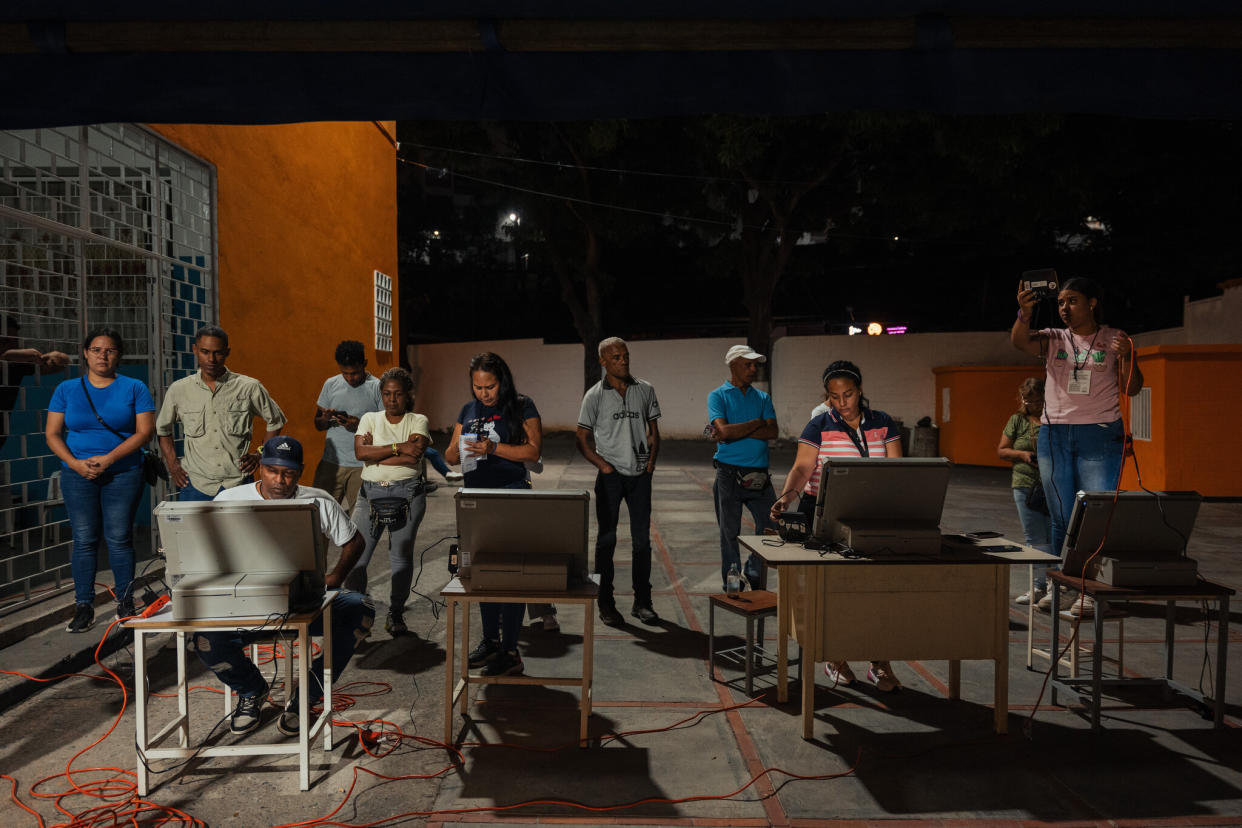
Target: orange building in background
973, 403
305, 216
1186, 443
1180, 420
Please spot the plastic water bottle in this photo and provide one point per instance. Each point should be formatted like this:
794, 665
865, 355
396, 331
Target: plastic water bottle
733, 582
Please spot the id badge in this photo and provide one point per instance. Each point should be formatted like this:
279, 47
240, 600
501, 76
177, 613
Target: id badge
1081, 385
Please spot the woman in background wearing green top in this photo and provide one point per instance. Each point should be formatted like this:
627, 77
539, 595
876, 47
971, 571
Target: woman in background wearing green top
1017, 444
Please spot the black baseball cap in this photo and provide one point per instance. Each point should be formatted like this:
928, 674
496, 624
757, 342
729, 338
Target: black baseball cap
282, 451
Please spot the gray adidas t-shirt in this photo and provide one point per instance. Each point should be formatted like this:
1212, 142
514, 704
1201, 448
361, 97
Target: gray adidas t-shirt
338, 394
620, 423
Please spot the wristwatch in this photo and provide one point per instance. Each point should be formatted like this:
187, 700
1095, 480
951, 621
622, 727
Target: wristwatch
395, 450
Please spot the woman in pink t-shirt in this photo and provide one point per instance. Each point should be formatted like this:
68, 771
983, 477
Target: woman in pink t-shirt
1081, 440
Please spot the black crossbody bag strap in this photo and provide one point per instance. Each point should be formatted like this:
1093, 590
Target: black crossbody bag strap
95, 411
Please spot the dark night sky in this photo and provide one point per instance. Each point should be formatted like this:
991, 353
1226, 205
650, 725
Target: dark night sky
973, 200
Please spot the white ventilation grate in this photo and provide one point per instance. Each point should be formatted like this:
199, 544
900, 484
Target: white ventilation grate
383, 312
1140, 414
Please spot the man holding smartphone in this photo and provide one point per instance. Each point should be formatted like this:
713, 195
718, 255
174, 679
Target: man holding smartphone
344, 399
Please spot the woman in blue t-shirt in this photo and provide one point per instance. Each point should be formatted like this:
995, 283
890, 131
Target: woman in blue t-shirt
497, 433
97, 425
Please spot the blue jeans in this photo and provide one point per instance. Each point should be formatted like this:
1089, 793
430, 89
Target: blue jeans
102, 509
224, 652
610, 490
1074, 458
1036, 531
729, 498
191, 495
436, 460
501, 622
400, 540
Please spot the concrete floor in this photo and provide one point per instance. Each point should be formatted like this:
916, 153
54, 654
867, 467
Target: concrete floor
913, 756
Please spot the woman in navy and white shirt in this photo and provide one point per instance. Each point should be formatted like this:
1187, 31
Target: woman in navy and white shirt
849, 428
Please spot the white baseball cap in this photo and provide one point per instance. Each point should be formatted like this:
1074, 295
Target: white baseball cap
742, 352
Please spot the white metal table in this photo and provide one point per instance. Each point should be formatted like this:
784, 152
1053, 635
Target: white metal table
148, 745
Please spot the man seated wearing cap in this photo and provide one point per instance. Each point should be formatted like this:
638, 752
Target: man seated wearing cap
742, 420
224, 653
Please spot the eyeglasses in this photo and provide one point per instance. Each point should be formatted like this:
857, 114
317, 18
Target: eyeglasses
103, 351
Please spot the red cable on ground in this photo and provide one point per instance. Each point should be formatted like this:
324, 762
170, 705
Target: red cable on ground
326, 820
18, 802
117, 790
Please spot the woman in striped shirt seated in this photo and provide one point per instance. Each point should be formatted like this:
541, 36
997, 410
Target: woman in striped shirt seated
849, 428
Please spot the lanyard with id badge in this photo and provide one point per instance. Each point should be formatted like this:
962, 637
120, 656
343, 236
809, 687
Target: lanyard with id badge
1079, 380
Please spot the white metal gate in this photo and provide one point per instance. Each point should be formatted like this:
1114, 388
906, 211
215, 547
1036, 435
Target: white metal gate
99, 225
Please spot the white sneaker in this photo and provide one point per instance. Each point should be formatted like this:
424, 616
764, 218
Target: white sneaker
550, 624
1067, 597
454, 477
1034, 596
881, 673
839, 673
1084, 607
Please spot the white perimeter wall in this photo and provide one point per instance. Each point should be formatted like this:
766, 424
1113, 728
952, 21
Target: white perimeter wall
897, 374
1216, 320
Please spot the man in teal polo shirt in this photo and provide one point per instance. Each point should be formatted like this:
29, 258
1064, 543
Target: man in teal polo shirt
742, 421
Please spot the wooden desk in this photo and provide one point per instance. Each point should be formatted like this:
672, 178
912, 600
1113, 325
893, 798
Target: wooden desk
1104, 596
299, 625
458, 693
952, 606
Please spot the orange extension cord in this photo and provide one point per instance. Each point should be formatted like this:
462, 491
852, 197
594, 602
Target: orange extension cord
378, 738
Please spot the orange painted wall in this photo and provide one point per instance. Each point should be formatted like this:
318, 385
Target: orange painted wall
981, 400
305, 214
1196, 394
1195, 390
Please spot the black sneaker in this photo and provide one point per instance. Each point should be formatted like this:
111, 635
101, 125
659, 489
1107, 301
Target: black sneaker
395, 624
753, 571
288, 722
484, 653
83, 619
644, 613
608, 614
506, 663
248, 713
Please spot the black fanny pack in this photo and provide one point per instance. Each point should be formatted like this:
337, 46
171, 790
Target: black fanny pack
388, 513
752, 480
391, 512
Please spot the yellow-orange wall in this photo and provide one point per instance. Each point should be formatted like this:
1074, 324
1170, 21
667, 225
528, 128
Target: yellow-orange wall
1195, 392
305, 214
981, 400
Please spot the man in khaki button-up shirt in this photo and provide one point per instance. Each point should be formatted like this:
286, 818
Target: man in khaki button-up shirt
216, 409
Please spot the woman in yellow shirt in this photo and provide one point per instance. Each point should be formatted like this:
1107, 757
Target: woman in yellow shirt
390, 444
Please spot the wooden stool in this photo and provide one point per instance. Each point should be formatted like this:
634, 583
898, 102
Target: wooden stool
752, 604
